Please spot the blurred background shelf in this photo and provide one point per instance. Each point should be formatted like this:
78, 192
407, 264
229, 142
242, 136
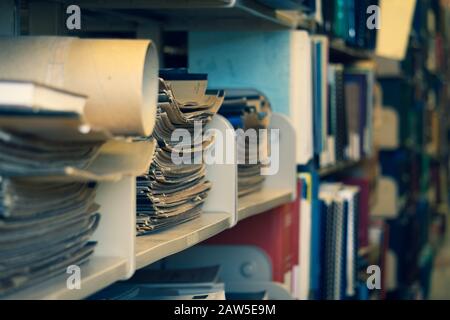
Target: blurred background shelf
340, 167
339, 51
96, 274
262, 201
154, 247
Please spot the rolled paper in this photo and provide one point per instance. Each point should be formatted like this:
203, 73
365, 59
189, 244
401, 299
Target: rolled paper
119, 77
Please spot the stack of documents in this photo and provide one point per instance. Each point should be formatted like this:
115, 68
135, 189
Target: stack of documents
44, 228
249, 112
46, 217
180, 284
23, 156
175, 186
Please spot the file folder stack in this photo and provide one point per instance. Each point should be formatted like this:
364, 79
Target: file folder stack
339, 212
175, 186
249, 112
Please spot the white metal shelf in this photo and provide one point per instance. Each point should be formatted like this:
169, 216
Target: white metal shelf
157, 246
262, 201
97, 273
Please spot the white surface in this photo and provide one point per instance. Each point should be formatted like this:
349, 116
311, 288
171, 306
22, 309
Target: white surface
117, 228
285, 178
154, 247
223, 175
301, 104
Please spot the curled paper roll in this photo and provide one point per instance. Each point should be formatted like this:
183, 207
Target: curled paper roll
120, 77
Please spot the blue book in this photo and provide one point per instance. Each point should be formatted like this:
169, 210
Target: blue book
315, 236
317, 51
320, 96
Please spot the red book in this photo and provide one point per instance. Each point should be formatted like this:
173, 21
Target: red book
274, 231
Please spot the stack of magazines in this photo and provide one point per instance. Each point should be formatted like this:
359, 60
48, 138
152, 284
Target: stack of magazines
46, 217
249, 112
175, 186
44, 228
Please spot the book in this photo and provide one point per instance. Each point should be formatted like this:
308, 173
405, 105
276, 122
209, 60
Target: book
339, 233
276, 224
320, 48
395, 15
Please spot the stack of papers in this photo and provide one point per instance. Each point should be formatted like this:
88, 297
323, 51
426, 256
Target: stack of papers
175, 186
156, 284
249, 113
44, 228
45, 223
70, 110
23, 156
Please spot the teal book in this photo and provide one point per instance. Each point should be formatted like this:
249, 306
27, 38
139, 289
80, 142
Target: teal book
340, 24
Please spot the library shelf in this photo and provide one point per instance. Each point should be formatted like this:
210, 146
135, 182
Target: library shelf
154, 247
338, 168
262, 201
340, 51
195, 14
96, 274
